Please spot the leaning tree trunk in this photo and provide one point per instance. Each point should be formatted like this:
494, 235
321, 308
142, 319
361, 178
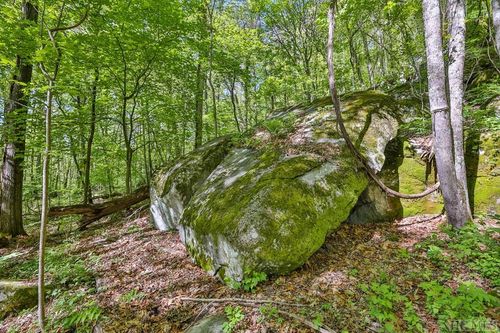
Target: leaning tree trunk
454, 197
456, 55
45, 207
11, 208
496, 23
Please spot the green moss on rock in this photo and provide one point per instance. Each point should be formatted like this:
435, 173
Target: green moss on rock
271, 199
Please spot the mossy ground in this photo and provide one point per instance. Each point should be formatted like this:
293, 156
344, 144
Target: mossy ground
486, 179
412, 180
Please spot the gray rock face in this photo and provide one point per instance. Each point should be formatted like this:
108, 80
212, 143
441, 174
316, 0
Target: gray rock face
373, 204
211, 324
265, 203
175, 185
16, 296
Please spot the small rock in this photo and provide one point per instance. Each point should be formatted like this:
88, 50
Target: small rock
210, 324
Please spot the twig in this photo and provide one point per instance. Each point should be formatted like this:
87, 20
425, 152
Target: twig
320, 328
241, 300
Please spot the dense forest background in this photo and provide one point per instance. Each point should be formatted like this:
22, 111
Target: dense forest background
142, 82
101, 101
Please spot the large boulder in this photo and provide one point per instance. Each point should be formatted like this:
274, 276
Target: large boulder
266, 202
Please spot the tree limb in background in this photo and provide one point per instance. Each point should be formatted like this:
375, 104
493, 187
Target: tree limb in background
336, 105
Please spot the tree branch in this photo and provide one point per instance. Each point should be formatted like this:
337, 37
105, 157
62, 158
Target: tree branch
340, 122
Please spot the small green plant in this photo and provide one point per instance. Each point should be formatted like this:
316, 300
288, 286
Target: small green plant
383, 299
83, 319
479, 250
413, 322
280, 126
249, 282
270, 312
353, 272
318, 320
131, 296
435, 254
468, 303
404, 254
234, 315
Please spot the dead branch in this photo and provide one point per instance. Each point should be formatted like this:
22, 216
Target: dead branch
93, 212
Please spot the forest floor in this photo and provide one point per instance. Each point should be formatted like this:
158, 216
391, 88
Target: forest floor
122, 275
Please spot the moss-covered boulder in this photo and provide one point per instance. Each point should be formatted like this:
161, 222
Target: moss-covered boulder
174, 185
16, 296
265, 202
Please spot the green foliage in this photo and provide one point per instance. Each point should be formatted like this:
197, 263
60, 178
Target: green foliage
419, 126
383, 300
83, 320
131, 296
468, 303
480, 250
318, 320
63, 269
234, 316
249, 282
280, 126
410, 316
73, 311
435, 254
270, 313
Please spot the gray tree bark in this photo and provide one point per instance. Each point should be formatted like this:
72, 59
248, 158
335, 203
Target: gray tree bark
456, 55
198, 119
496, 22
454, 196
87, 191
16, 110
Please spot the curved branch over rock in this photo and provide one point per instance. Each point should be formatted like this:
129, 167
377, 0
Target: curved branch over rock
336, 106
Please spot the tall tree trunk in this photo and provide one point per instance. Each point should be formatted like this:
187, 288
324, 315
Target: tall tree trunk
454, 196
11, 209
233, 102
496, 22
210, 12
128, 148
45, 207
456, 55
87, 190
198, 119
214, 104
368, 60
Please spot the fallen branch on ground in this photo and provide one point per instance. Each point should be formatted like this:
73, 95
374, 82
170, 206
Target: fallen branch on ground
258, 302
93, 212
241, 300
